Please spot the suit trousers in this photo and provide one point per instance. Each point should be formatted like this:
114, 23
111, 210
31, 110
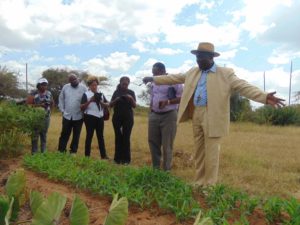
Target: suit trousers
161, 135
207, 149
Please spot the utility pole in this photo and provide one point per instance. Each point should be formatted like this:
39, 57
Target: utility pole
26, 79
264, 81
290, 87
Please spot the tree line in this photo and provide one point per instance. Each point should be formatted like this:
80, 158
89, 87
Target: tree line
11, 87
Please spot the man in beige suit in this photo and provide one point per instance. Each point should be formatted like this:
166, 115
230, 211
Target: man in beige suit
206, 100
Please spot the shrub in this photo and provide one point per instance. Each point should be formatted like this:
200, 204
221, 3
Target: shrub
17, 122
289, 115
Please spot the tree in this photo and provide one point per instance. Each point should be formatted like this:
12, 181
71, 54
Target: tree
57, 78
145, 95
240, 108
10, 85
297, 96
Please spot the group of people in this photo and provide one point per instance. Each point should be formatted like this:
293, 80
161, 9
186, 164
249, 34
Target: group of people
204, 98
79, 105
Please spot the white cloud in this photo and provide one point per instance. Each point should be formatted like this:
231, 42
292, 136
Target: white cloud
168, 51
226, 55
72, 58
36, 57
204, 4
95, 21
202, 17
225, 35
286, 27
255, 13
149, 63
281, 56
117, 61
139, 46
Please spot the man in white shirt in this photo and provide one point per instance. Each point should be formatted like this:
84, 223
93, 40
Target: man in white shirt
69, 104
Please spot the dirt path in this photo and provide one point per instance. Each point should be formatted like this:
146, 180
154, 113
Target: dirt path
98, 206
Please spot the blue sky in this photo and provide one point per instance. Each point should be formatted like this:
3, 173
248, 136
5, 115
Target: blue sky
126, 37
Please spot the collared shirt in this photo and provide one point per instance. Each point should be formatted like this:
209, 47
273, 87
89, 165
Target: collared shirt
200, 96
160, 93
69, 101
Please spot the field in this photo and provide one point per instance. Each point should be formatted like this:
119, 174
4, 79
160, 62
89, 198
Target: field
261, 160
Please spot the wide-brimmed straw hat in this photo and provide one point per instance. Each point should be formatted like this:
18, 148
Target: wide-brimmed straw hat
205, 47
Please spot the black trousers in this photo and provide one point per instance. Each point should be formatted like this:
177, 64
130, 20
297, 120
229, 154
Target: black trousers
122, 127
93, 123
67, 127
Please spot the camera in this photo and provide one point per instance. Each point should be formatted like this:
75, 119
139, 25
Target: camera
98, 97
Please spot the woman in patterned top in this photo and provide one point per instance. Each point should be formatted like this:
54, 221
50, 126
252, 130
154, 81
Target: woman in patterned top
41, 98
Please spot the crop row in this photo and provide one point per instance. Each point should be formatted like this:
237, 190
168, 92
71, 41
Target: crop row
147, 187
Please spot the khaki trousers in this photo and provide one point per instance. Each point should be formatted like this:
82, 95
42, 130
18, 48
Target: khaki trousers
207, 149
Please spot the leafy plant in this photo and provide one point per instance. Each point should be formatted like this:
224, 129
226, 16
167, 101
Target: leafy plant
292, 207
273, 208
9, 212
79, 214
15, 188
4, 206
118, 212
143, 186
203, 221
17, 122
36, 200
50, 210
281, 116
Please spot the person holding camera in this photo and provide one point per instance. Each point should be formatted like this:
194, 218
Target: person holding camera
41, 98
92, 105
123, 100
164, 100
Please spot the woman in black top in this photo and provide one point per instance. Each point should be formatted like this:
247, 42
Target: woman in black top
123, 100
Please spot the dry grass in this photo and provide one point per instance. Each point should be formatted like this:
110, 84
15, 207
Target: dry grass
262, 160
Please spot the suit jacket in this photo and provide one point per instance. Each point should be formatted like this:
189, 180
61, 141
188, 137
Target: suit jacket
219, 85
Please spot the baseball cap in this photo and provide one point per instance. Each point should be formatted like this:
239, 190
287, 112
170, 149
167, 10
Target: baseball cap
42, 80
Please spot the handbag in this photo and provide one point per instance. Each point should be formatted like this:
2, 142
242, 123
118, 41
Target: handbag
105, 113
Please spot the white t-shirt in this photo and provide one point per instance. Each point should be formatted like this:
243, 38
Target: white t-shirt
93, 109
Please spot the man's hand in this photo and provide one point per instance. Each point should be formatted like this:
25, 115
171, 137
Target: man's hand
147, 80
162, 104
274, 101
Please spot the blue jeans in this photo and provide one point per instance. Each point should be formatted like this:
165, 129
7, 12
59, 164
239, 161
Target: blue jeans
42, 134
